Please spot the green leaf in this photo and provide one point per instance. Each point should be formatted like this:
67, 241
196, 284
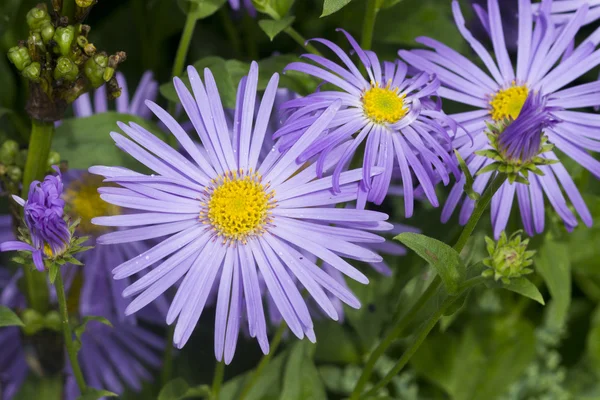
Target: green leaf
522, 286
336, 344
332, 6
276, 9
301, 379
9, 318
53, 271
274, 27
79, 330
95, 394
84, 142
442, 257
174, 390
553, 264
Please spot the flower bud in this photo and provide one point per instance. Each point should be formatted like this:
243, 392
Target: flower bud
64, 39
47, 32
14, 173
508, 258
94, 69
19, 56
8, 152
32, 72
53, 159
65, 69
37, 18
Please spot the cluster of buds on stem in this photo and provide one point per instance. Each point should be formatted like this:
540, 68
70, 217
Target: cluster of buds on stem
12, 163
60, 62
509, 258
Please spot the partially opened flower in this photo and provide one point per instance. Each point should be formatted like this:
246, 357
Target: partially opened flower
231, 217
147, 89
392, 113
545, 64
48, 233
563, 10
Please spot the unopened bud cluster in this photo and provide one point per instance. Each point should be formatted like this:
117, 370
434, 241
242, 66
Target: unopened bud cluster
509, 258
12, 163
516, 169
60, 62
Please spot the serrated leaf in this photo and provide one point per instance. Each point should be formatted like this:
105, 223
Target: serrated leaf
84, 142
274, 27
445, 260
522, 286
332, 6
95, 394
9, 318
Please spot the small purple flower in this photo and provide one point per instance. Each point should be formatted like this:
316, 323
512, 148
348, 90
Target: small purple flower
231, 218
236, 5
546, 62
147, 89
43, 212
394, 115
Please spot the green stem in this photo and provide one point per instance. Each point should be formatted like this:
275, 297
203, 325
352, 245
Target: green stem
401, 323
67, 334
264, 361
421, 335
68, 9
36, 167
218, 379
369, 25
167, 370
298, 38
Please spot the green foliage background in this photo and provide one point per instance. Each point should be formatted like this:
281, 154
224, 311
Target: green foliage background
496, 345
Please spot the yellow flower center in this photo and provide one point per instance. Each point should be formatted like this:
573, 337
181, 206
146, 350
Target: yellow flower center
507, 103
384, 105
237, 206
84, 202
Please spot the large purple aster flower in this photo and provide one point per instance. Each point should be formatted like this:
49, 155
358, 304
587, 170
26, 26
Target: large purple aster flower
545, 64
43, 213
232, 217
563, 10
395, 116
146, 89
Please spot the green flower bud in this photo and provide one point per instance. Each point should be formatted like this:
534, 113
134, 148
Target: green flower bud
94, 69
14, 173
64, 38
32, 72
108, 74
65, 69
37, 18
21, 158
47, 32
508, 258
19, 56
8, 152
53, 159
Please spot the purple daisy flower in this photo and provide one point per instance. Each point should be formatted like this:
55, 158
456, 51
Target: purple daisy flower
510, 22
545, 64
396, 116
43, 213
232, 217
147, 89
563, 10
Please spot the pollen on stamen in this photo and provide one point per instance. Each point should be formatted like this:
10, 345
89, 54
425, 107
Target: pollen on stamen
507, 103
382, 104
237, 206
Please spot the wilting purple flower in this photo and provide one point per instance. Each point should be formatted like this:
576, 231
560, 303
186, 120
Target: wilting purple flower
545, 63
246, 4
232, 217
43, 213
146, 90
395, 115
563, 10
